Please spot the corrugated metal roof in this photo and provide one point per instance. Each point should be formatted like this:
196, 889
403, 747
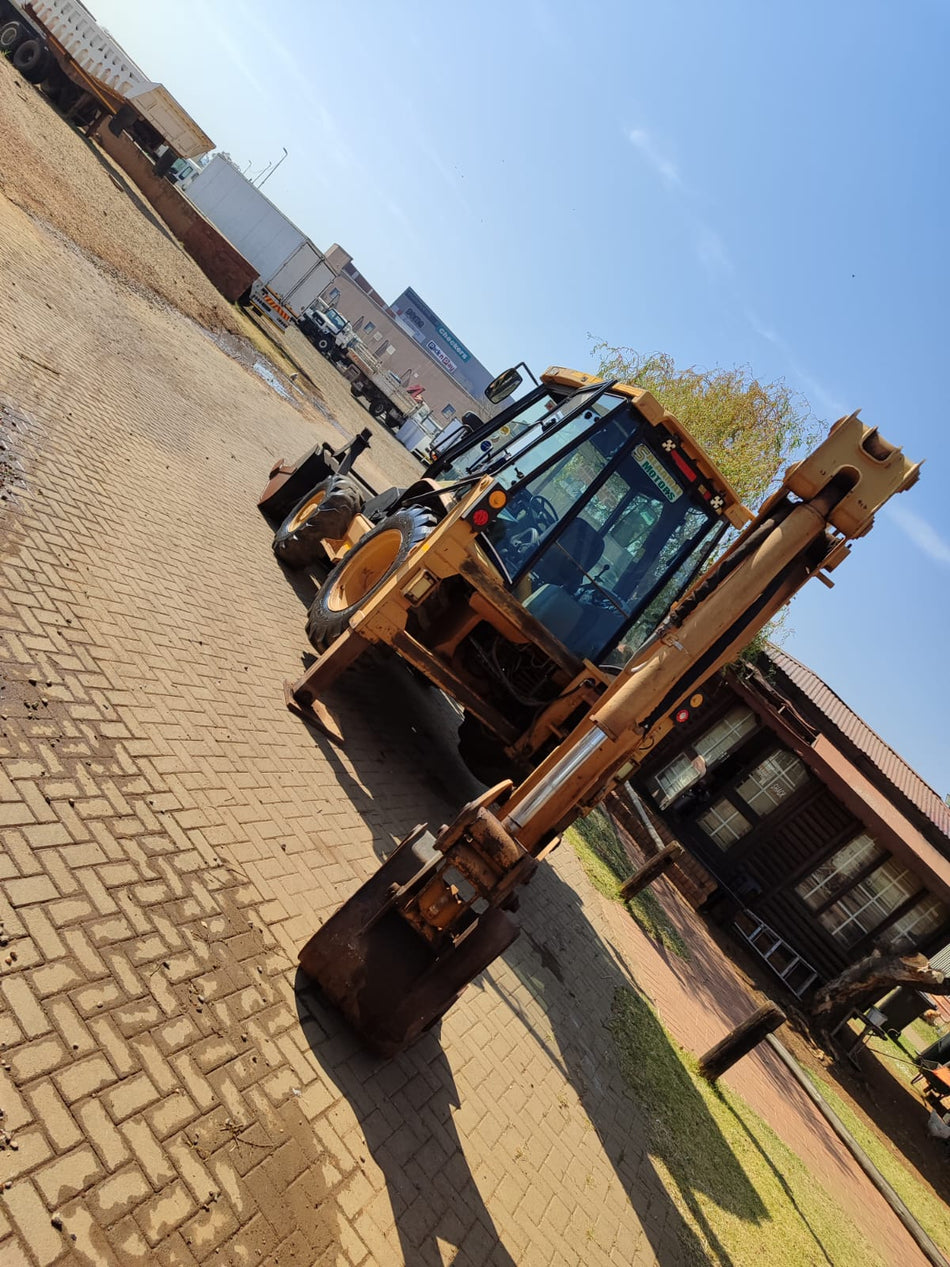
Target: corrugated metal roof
894, 768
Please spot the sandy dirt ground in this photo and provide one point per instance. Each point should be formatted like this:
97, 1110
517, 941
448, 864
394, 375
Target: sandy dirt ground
54, 172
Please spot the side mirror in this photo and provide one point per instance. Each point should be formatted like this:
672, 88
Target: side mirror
503, 386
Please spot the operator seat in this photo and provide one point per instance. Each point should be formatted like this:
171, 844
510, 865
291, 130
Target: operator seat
574, 552
563, 567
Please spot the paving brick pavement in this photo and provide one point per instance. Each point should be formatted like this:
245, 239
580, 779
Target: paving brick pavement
170, 1091
171, 835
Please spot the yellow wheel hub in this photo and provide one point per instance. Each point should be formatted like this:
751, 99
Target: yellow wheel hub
363, 570
303, 513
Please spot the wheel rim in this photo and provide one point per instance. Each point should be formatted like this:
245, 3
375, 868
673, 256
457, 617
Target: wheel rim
303, 513
364, 570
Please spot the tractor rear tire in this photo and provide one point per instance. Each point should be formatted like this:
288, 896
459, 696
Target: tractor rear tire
323, 514
364, 571
483, 754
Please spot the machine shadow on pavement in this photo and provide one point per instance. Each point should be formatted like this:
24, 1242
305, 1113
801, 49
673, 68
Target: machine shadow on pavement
575, 976
304, 583
404, 1108
401, 768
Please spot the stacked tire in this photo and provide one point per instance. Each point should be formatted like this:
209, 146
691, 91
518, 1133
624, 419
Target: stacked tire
324, 514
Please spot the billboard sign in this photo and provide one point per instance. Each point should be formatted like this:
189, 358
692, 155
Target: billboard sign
433, 348
442, 344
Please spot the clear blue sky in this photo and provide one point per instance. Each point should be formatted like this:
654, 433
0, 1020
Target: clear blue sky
731, 183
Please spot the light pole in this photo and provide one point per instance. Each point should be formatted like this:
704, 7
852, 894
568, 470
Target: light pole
274, 168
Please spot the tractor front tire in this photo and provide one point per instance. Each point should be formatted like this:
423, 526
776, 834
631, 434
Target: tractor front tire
364, 571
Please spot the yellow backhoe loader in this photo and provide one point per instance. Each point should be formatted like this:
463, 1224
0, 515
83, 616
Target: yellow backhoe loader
533, 557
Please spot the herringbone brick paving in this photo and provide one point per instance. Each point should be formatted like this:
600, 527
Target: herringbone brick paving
169, 1091
172, 834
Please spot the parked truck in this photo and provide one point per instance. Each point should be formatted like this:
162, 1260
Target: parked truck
329, 332
384, 395
292, 271
59, 45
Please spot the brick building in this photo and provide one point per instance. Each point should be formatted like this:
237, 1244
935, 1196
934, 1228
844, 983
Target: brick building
804, 830
387, 338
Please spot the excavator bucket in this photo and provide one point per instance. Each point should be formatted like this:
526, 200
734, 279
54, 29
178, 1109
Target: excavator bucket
388, 982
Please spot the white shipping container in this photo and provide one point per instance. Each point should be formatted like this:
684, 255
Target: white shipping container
251, 222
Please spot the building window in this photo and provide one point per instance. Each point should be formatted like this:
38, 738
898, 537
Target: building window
680, 774
914, 925
760, 792
726, 734
369, 327
838, 872
711, 746
723, 823
869, 902
333, 296
772, 781
448, 411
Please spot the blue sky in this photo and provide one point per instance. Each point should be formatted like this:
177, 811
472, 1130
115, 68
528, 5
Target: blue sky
736, 183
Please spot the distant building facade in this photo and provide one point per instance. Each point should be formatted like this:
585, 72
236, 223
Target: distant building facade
392, 338
427, 328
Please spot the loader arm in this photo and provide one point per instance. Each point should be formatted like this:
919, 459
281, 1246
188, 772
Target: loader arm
396, 955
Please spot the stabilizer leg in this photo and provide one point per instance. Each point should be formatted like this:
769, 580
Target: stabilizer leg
301, 696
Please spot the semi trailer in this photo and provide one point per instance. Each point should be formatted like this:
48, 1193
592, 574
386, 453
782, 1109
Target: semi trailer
292, 271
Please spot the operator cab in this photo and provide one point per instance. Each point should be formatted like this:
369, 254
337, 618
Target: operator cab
598, 520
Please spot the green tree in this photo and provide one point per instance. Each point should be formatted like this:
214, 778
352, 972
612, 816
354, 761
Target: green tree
751, 430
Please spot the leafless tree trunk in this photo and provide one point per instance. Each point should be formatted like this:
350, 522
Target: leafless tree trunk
867, 980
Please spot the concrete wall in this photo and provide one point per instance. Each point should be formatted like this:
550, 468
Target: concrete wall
221, 263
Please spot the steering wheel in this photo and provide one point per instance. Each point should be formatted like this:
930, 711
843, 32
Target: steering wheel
524, 542
599, 596
545, 515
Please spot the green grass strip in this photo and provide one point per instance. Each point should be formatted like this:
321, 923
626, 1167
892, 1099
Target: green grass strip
595, 841
927, 1208
745, 1198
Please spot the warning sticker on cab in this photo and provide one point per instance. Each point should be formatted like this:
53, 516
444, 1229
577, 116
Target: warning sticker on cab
667, 486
